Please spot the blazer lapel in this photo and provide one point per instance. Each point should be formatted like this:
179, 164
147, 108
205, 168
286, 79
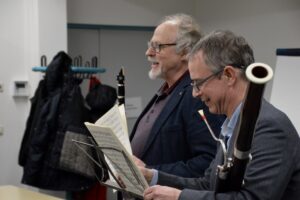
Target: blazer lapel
175, 98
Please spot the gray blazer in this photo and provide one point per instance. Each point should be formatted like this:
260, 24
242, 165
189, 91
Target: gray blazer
272, 174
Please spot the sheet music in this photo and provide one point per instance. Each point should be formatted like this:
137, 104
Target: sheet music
115, 121
124, 171
123, 115
99, 138
120, 159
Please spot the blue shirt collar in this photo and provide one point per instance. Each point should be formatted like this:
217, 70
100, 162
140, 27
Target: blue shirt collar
230, 123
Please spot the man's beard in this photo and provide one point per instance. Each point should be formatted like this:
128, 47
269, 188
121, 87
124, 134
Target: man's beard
154, 74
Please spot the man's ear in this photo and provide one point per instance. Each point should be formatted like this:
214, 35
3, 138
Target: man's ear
184, 54
185, 57
230, 73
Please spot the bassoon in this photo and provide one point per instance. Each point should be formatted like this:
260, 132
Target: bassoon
230, 175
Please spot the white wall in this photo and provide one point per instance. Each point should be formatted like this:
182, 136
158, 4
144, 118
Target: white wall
125, 12
12, 56
267, 24
29, 29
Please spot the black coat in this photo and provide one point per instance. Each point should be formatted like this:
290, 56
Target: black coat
57, 106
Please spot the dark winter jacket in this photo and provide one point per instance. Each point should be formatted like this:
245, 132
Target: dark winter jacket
57, 107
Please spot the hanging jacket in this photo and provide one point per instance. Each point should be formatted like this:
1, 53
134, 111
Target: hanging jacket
36, 104
61, 108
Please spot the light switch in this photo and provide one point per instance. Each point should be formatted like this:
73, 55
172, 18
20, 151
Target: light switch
21, 89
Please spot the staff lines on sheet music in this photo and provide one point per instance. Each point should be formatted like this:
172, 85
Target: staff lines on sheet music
133, 187
117, 159
123, 169
105, 140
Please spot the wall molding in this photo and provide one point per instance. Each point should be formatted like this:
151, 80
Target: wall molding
109, 27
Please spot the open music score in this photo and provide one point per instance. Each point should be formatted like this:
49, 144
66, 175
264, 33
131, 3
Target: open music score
110, 136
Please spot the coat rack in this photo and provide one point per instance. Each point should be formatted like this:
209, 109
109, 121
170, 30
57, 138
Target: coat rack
77, 67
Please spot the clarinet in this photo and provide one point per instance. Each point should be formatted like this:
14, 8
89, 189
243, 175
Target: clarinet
231, 174
121, 87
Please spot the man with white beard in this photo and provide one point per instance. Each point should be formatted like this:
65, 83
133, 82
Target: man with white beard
169, 135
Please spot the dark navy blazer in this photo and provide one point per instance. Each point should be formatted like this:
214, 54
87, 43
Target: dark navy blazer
179, 142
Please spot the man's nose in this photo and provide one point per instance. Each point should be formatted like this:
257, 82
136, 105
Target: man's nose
196, 94
150, 52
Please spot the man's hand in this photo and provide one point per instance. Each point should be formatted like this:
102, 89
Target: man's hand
138, 162
148, 173
158, 192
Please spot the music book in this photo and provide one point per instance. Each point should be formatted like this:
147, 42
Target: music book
110, 136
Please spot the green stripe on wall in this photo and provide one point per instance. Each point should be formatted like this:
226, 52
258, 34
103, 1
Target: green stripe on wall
110, 27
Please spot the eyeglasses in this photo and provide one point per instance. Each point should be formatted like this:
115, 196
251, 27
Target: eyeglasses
197, 84
157, 47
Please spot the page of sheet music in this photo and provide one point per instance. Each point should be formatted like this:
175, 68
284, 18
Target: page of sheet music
123, 115
114, 120
99, 138
119, 158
